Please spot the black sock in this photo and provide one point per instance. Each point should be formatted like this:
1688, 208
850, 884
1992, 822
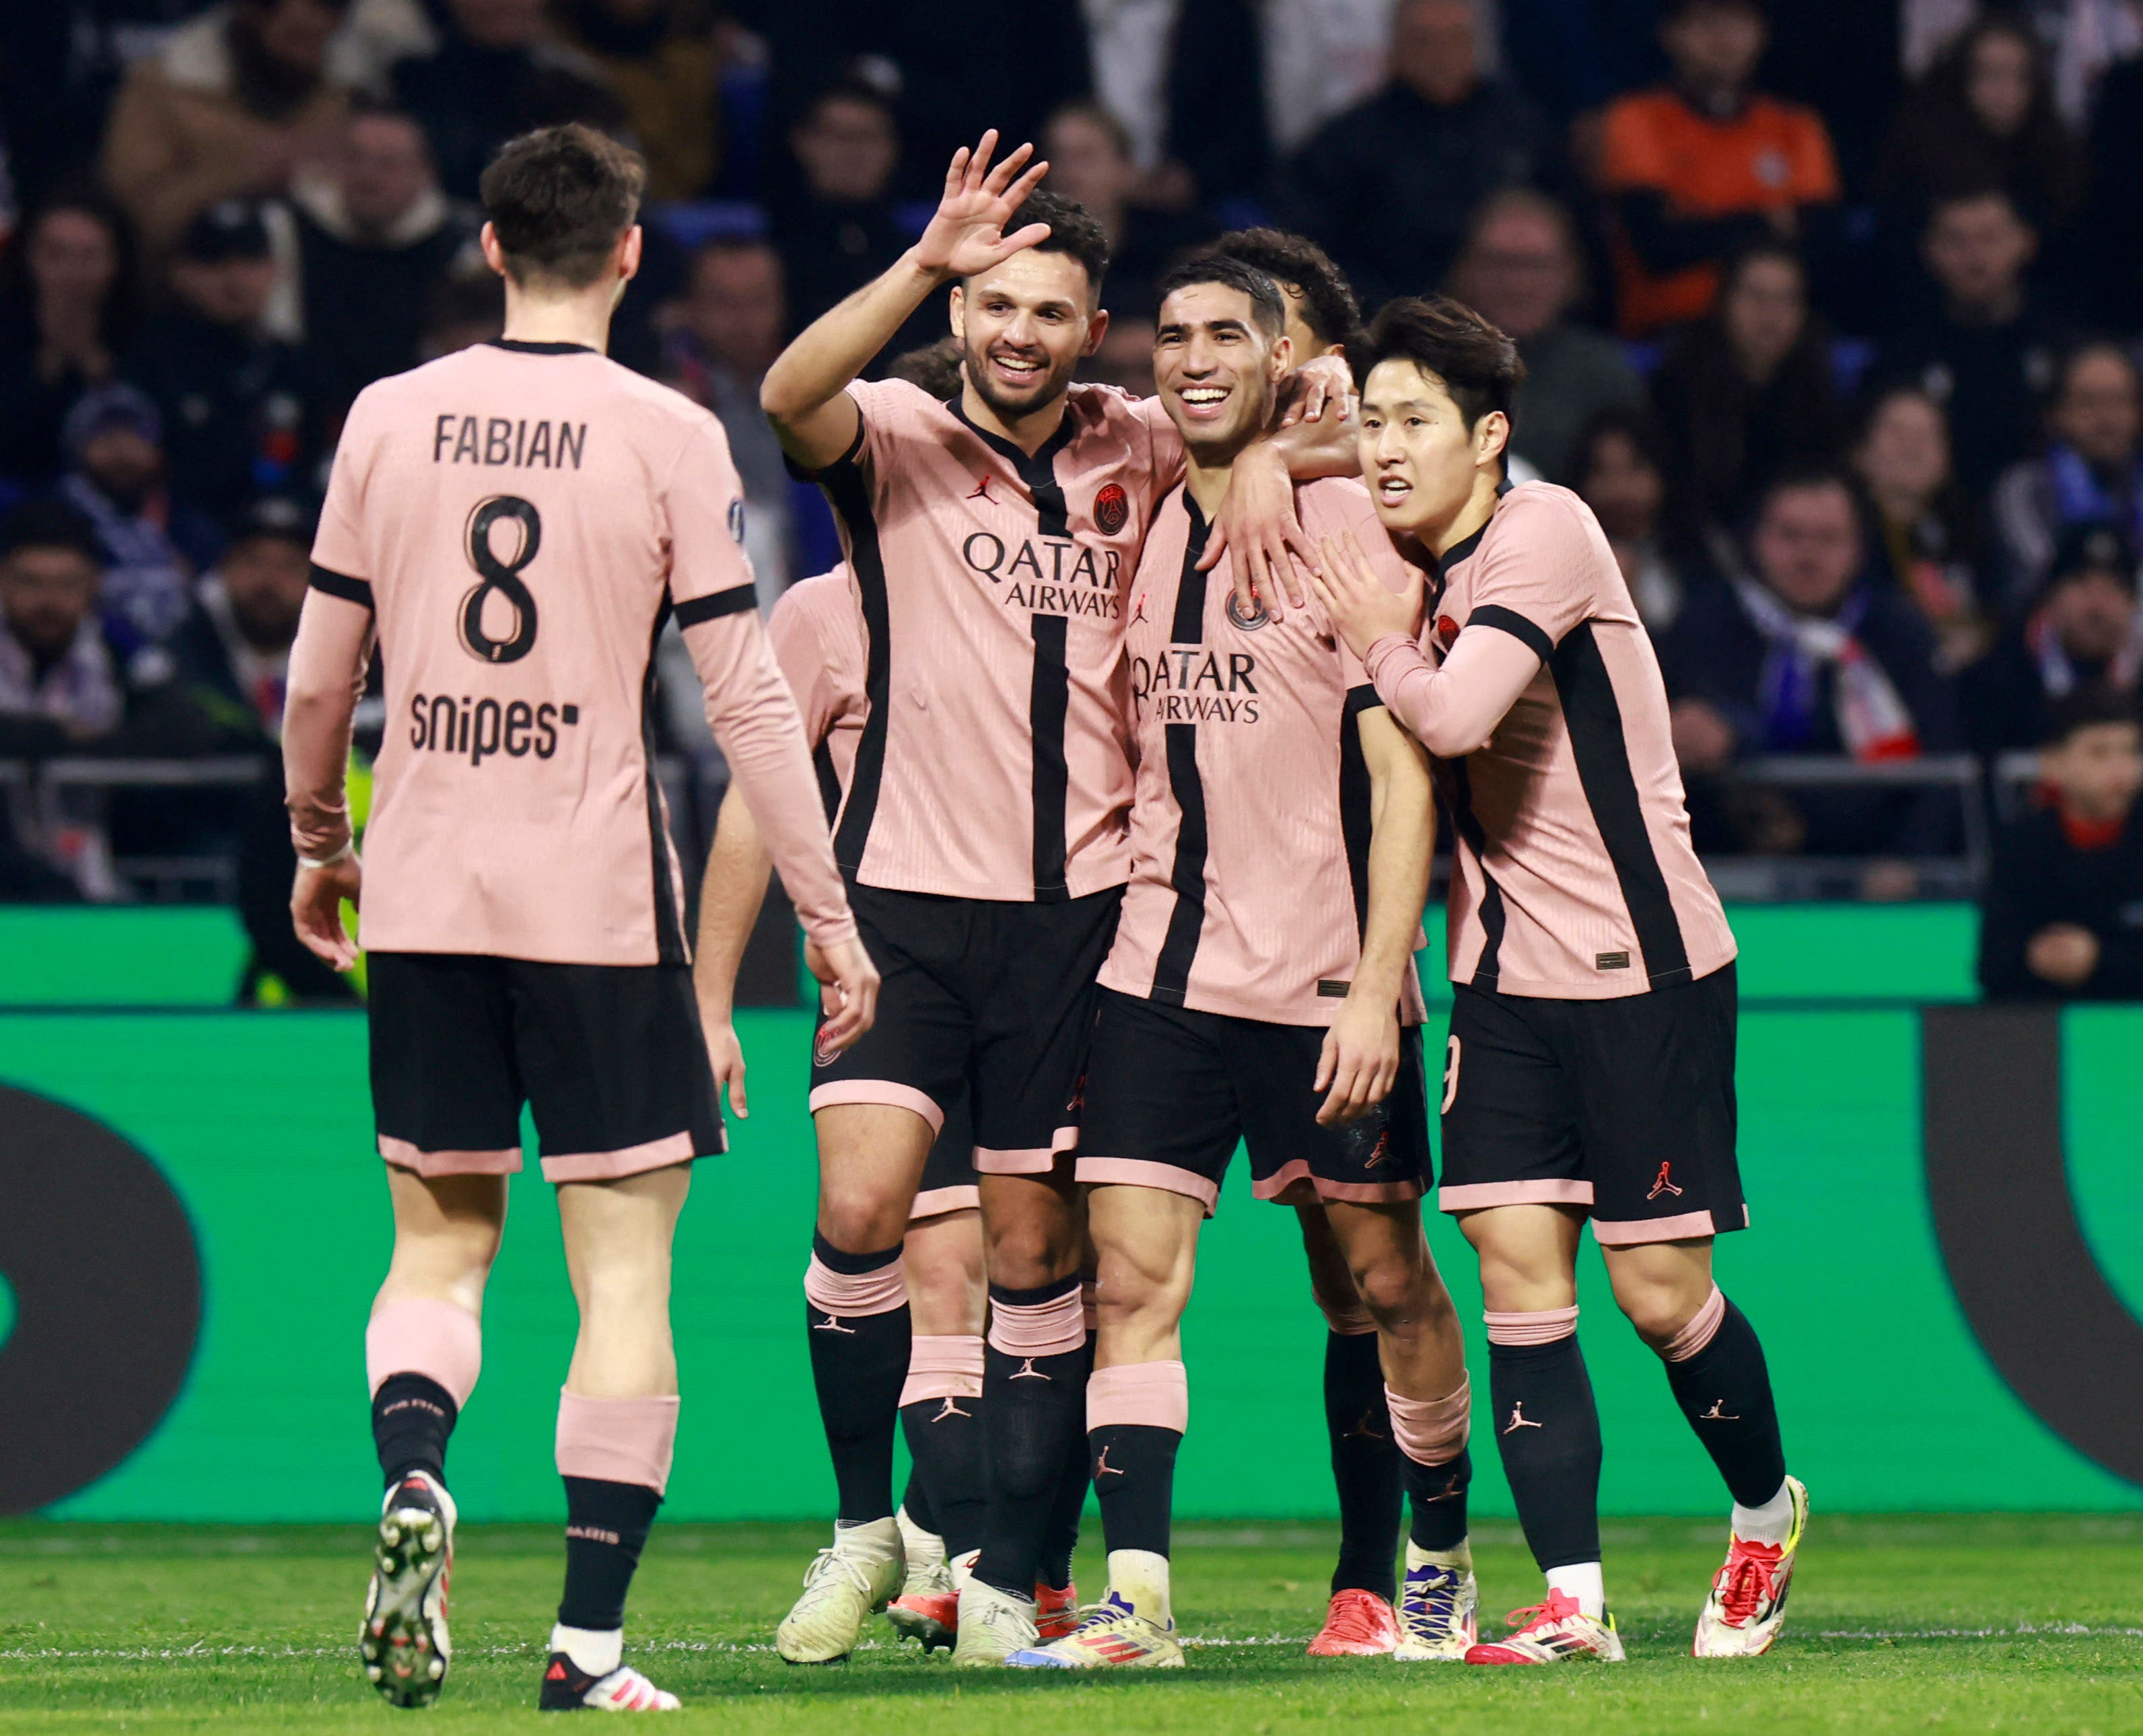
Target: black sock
1547, 1429
1134, 1471
1060, 1541
1034, 1419
607, 1525
859, 1364
945, 1440
915, 1498
1365, 1465
412, 1416
1726, 1392
1438, 1496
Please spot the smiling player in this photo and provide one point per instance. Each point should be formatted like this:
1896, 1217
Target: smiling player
1590, 1069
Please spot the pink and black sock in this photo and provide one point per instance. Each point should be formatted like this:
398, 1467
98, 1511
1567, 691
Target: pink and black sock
856, 1321
1034, 1417
614, 1455
423, 1359
941, 1415
1431, 1434
1715, 1365
1135, 1418
1548, 1430
1365, 1462
1060, 1541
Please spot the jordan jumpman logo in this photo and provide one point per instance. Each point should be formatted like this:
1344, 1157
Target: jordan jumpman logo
1519, 1419
830, 1324
951, 1409
1027, 1371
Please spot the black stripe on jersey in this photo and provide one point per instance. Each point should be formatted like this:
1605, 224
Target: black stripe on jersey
1355, 826
847, 489
1048, 705
829, 780
1468, 825
341, 585
1186, 922
734, 601
1602, 753
1533, 638
669, 932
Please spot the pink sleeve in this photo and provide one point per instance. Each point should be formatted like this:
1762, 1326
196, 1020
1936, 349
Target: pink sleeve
1452, 710
338, 545
703, 506
326, 675
808, 632
1537, 578
754, 719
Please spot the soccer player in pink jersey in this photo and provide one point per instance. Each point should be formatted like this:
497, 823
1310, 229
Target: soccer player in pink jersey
990, 538
1590, 1069
510, 525
1280, 841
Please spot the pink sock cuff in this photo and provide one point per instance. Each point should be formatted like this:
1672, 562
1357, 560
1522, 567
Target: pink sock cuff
850, 1295
1054, 1327
1432, 1431
1701, 1327
1543, 1326
1088, 1312
618, 1439
943, 1368
1350, 1321
435, 1339
1152, 1395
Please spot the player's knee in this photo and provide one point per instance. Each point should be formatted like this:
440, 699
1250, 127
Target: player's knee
1657, 1308
454, 1255
1135, 1301
1403, 1295
1028, 1255
858, 1220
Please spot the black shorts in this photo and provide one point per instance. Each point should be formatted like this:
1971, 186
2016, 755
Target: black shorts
980, 995
1170, 1092
609, 1058
1624, 1107
948, 1174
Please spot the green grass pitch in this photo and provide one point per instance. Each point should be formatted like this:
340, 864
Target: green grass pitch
2009, 1623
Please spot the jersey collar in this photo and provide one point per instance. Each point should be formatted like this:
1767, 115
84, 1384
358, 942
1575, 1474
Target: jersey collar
521, 347
1466, 550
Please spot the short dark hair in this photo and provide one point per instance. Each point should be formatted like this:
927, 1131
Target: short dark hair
1478, 363
848, 88
1267, 307
935, 368
559, 198
1976, 192
1805, 478
1073, 229
2088, 706
1617, 422
1330, 306
48, 524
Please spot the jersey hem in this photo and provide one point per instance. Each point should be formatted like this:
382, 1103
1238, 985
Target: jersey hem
1227, 1006
1541, 989
1075, 887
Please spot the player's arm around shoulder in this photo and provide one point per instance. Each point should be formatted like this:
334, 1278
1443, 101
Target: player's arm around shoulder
1360, 1061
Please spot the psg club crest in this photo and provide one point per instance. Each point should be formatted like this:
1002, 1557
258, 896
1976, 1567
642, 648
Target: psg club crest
1252, 622
1113, 508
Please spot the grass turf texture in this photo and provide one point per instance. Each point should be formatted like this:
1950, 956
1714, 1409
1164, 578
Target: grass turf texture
1918, 1623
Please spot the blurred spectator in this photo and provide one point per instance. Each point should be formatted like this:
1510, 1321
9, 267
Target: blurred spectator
64, 323
1387, 187
2062, 914
935, 370
375, 236
1125, 358
1924, 544
232, 107
239, 406
1804, 656
1987, 355
1984, 116
232, 654
60, 685
727, 330
1321, 58
1090, 160
658, 58
1522, 269
469, 308
2083, 635
1703, 164
2089, 471
496, 73
1744, 392
838, 232
1323, 315
148, 545
1615, 467
2113, 214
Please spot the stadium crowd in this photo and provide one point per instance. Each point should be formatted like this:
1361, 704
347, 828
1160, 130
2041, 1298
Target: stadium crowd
1830, 312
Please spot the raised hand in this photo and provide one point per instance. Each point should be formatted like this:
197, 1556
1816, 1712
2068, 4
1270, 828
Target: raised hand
966, 234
